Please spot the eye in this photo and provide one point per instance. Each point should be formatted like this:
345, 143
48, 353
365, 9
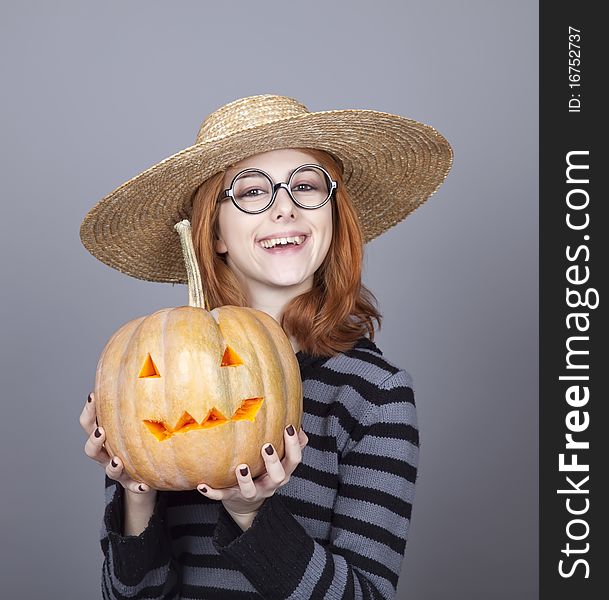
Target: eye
251, 193
149, 369
304, 187
230, 358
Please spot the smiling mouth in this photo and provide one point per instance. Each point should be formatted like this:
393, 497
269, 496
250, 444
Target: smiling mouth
162, 431
293, 240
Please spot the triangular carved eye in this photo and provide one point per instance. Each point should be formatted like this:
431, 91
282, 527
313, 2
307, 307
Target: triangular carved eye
230, 358
149, 368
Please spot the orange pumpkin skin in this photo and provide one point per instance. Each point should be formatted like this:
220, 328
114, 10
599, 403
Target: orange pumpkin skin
228, 376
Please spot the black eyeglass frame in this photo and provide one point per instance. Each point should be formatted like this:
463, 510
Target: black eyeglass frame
229, 193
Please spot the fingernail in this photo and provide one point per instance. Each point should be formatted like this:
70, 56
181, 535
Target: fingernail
89, 398
243, 471
114, 463
203, 489
97, 432
141, 488
290, 430
269, 449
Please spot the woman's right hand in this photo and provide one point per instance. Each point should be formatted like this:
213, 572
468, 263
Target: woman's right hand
94, 448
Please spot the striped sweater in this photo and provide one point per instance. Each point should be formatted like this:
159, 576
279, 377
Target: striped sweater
336, 530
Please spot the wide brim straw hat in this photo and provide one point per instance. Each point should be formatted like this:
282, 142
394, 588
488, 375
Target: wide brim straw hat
391, 166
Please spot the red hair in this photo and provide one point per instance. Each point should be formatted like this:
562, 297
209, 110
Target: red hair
337, 310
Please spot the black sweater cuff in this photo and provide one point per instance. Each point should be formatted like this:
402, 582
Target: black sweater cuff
135, 555
273, 553
226, 529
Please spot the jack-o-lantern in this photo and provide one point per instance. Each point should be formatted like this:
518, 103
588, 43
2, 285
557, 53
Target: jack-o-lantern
186, 394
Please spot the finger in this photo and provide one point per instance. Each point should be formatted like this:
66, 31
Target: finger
114, 468
247, 487
293, 449
94, 446
87, 416
210, 492
274, 467
135, 486
303, 438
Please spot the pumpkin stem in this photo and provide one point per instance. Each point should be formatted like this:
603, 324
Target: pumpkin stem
196, 296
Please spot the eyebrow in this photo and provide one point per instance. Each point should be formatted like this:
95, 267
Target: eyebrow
246, 175
258, 174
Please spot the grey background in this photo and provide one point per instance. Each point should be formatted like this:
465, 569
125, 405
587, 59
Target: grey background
94, 93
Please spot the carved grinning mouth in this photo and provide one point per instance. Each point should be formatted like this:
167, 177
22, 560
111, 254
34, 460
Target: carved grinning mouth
162, 431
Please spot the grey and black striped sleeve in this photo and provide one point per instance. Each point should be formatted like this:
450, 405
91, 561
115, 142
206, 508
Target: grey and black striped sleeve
136, 566
370, 521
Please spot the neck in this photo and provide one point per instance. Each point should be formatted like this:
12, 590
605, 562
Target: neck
274, 300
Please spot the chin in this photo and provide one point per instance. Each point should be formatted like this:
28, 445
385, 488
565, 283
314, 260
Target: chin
289, 281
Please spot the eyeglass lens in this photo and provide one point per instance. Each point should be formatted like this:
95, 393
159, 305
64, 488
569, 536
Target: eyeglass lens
253, 191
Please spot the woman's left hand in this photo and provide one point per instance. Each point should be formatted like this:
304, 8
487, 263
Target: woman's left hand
246, 497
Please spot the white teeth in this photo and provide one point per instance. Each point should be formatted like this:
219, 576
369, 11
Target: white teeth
285, 240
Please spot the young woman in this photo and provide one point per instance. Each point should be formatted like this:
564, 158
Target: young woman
281, 201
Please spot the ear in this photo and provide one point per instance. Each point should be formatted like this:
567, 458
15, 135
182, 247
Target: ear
220, 246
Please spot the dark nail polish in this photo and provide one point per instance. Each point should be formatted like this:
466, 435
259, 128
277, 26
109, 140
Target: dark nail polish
269, 450
140, 488
290, 430
89, 398
243, 471
203, 489
114, 463
97, 432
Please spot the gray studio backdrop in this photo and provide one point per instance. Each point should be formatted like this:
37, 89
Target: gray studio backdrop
94, 93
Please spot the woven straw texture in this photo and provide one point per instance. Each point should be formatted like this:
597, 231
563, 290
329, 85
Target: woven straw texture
391, 166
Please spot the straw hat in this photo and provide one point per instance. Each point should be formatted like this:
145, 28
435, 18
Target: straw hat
391, 166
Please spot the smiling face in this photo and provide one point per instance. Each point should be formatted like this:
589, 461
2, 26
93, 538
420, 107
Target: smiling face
267, 274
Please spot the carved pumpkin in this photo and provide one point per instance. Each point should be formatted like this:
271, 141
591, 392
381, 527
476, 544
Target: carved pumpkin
185, 394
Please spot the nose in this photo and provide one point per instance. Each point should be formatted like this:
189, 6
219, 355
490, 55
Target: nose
283, 204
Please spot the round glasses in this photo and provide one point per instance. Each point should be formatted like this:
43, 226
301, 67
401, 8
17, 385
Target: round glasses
253, 191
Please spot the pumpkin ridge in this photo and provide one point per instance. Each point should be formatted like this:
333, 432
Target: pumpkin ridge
167, 480
124, 392
275, 422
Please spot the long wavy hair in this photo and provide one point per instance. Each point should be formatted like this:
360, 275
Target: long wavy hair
337, 310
